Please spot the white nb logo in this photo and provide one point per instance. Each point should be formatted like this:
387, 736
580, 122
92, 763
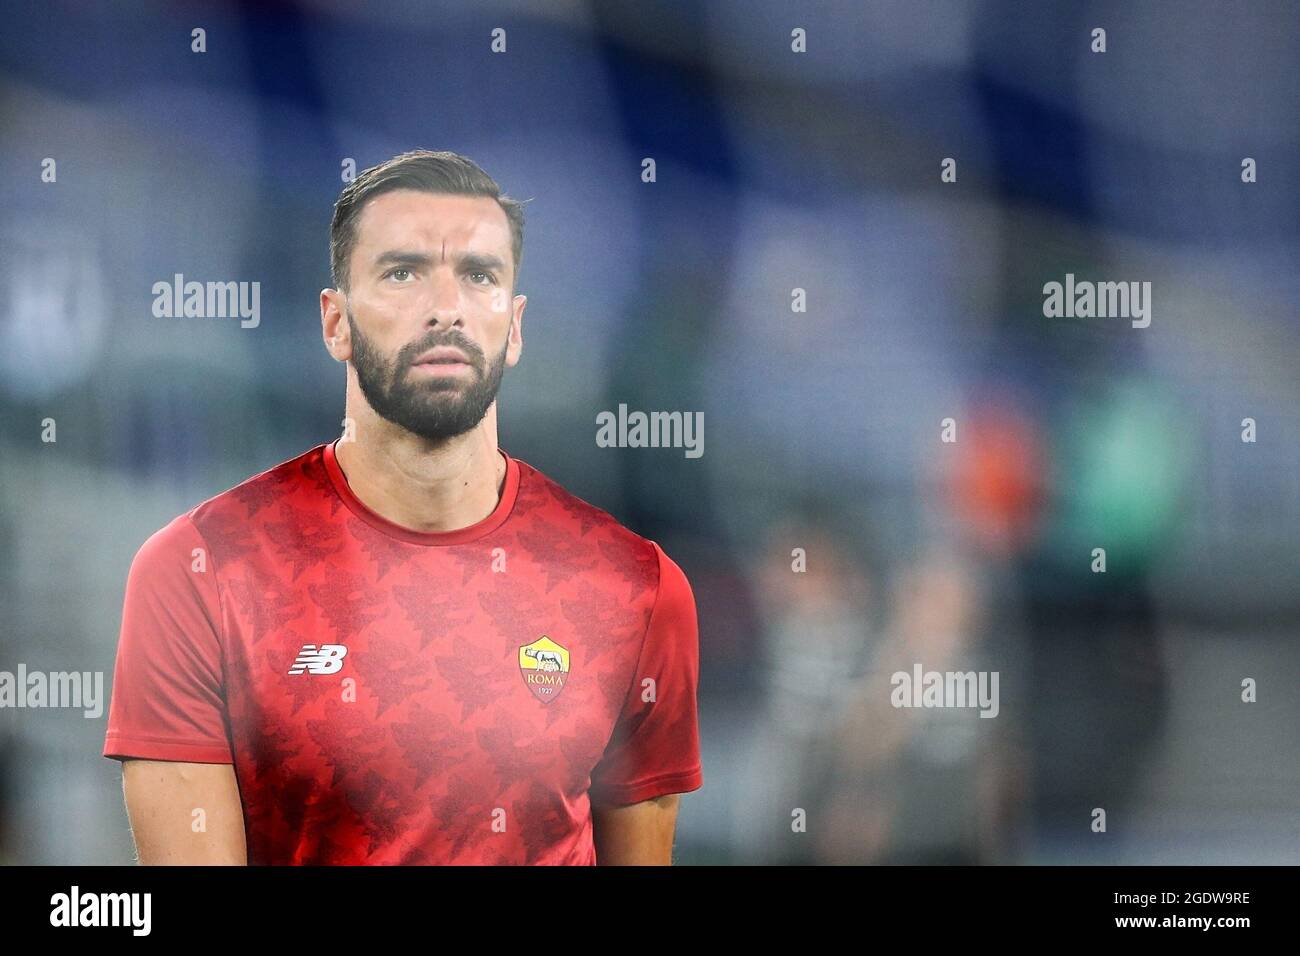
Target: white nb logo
327, 659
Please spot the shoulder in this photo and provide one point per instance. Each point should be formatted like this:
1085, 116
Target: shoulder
170, 544
263, 490
215, 519
545, 504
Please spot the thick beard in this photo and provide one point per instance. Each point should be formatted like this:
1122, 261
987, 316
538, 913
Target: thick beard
436, 409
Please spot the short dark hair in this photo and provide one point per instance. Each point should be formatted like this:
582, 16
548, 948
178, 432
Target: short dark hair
426, 171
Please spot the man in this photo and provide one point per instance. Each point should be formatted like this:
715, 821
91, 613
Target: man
406, 646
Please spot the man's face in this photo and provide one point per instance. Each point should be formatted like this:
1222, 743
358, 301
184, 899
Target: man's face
432, 320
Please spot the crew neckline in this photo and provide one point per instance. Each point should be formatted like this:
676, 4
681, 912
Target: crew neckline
509, 492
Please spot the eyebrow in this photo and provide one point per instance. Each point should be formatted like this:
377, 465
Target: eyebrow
471, 260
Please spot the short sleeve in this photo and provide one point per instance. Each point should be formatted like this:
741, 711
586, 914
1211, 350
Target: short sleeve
655, 747
168, 698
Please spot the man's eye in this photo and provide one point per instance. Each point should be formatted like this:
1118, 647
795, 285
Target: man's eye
398, 274
486, 275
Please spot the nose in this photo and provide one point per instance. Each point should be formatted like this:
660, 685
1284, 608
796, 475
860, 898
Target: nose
445, 307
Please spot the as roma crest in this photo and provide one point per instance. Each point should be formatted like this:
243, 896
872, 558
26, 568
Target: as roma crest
545, 666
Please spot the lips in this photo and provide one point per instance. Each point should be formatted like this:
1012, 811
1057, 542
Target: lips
442, 356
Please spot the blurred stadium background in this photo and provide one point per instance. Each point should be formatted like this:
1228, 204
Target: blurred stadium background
776, 171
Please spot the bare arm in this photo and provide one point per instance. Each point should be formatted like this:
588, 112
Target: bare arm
639, 834
161, 799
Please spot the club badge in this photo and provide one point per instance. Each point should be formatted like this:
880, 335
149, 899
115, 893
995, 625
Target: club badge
545, 667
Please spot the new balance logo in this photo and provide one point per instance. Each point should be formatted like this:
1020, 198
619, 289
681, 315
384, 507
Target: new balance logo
327, 659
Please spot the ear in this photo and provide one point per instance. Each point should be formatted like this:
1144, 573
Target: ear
516, 333
334, 324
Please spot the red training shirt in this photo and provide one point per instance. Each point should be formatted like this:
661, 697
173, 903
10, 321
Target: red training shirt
390, 696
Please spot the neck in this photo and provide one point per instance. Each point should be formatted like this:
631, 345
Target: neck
423, 485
